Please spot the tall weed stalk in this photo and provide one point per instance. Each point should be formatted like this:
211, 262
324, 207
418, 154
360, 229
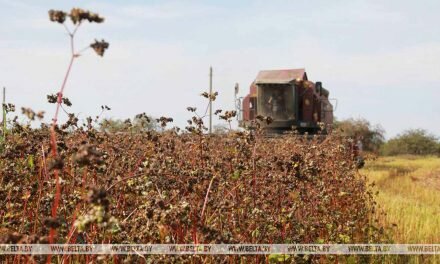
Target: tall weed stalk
77, 17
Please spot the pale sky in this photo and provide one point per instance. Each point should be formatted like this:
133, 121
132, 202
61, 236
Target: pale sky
379, 59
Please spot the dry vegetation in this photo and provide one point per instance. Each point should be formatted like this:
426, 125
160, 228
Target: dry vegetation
169, 187
70, 183
409, 194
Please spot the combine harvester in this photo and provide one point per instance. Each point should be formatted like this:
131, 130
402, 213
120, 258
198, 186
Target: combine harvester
293, 103
290, 99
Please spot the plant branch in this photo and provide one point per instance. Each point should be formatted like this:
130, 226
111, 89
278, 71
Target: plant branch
82, 50
76, 29
4, 115
64, 110
53, 140
67, 29
206, 197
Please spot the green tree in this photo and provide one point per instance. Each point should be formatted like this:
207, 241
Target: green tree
372, 136
413, 141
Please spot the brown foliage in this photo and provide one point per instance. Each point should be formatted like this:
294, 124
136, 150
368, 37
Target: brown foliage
151, 187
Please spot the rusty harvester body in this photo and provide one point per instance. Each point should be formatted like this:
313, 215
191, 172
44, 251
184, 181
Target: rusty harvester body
290, 99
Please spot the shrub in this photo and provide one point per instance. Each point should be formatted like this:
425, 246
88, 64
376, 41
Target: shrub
138, 124
372, 136
414, 142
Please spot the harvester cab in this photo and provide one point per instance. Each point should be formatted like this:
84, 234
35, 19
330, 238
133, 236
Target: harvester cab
290, 99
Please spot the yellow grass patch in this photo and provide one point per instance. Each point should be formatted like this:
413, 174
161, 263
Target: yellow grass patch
409, 195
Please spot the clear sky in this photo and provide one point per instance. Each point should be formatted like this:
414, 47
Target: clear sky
380, 59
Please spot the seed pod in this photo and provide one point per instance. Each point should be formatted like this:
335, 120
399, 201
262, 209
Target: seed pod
99, 47
57, 16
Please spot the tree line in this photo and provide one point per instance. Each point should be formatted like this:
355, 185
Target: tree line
412, 141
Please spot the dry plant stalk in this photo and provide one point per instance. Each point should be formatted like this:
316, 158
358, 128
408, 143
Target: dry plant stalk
77, 17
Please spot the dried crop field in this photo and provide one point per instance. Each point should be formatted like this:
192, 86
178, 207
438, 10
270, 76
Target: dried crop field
409, 192
174, 187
